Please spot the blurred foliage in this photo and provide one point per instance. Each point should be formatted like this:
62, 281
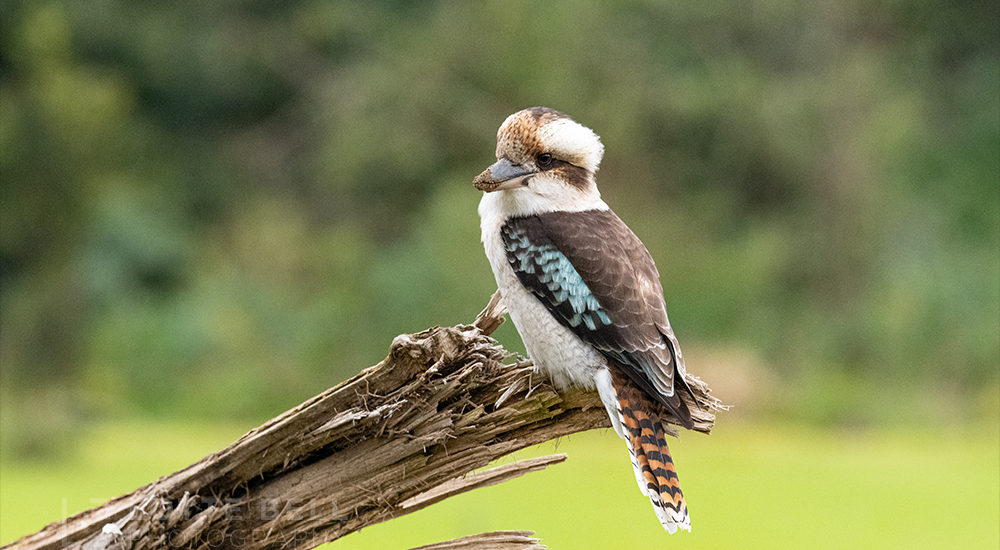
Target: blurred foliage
219, 208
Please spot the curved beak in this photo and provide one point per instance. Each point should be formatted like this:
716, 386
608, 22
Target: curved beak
502, 175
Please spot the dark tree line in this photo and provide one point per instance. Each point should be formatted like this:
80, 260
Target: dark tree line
210, 206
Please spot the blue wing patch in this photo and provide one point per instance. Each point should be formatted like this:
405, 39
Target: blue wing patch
550, 275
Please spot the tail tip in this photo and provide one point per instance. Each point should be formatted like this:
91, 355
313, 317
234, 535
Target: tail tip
671, 519
673, 527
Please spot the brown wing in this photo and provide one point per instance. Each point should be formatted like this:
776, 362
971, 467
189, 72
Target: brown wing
597, 278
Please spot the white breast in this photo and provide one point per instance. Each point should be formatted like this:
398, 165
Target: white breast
567, 359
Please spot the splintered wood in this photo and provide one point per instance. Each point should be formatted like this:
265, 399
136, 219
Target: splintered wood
395, 438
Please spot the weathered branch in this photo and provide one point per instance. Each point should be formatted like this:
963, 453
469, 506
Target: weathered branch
497, 540
395, 438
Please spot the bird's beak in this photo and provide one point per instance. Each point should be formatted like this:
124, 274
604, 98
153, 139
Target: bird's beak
502, 175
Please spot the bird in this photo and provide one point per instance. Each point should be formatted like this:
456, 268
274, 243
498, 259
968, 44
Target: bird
583, 291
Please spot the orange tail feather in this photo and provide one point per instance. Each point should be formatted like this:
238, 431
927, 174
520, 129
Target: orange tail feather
654, 468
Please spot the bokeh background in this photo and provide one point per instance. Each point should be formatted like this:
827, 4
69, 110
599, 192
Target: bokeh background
212, 211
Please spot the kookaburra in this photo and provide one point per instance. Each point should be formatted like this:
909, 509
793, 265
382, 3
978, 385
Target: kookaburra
583, 291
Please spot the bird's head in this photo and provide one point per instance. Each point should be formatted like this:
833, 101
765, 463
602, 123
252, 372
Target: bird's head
546, 161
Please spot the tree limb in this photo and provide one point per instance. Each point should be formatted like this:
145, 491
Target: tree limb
397, 437
497, 540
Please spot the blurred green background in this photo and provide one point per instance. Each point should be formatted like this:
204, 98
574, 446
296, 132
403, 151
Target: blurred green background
214, 210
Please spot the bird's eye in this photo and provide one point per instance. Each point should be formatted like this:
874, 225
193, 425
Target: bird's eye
544, 160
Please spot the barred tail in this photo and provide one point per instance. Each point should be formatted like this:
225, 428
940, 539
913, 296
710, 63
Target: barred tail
646, 440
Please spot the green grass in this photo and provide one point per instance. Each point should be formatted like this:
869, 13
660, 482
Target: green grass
748, 486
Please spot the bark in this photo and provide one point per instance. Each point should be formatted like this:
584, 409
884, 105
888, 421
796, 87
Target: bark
497, 540
397, 437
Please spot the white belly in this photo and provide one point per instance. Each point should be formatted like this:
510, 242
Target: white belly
553, 348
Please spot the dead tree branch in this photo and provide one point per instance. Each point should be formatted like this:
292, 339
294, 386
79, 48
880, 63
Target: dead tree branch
497, 540
395, 438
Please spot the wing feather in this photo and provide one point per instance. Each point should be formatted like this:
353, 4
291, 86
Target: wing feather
596, 277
